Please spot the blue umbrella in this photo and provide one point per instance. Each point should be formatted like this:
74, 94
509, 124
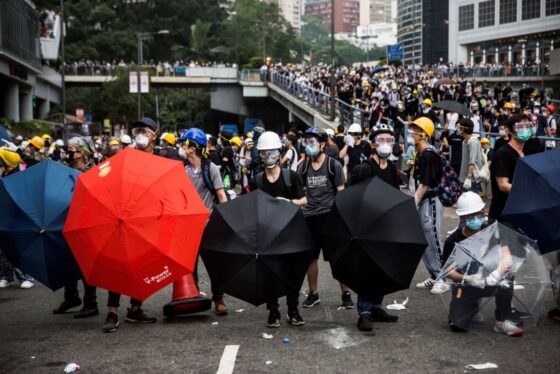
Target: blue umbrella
34, 205
4, 135
533, 204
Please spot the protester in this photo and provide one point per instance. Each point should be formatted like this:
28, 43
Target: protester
168, 149
290, 158
471, 159
355, 148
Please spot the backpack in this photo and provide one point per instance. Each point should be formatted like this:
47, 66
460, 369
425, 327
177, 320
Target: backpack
450, 187
288, 164
259, 179
330, 168
208, 181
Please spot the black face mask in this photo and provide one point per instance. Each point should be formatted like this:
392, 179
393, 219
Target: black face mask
69, 157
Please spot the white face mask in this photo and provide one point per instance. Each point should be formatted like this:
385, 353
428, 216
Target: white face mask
142, 141
182, 153
410, 140
384, 150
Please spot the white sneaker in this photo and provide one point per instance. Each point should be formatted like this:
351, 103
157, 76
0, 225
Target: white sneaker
439, 288
428, 283
4, 283
26, 284
509, 328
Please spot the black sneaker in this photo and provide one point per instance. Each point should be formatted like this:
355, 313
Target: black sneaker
380, 315
273, 319
86, 312
365, 323
67, 305
347, 302
111, 323
294, 318
311, 301
138, 316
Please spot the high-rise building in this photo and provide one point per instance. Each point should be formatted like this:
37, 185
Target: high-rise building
375, 11
291, 10
347, 14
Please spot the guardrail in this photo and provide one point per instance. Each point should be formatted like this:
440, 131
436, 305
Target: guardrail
156, 71
507, 72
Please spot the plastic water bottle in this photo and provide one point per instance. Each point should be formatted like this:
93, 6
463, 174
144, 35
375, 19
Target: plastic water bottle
286, 341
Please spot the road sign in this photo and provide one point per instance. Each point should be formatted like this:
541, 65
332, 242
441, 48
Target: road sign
395, 52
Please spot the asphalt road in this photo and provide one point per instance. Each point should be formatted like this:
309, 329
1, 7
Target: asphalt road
35, 341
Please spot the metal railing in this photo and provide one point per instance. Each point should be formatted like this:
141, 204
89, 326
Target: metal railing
253, 75
155, 71
496, 72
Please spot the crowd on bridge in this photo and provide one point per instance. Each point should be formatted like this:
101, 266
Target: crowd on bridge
419, 133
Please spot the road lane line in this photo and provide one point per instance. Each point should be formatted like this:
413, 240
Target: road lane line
227, 362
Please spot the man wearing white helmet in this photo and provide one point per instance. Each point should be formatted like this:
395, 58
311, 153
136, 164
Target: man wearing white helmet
331, 149
356, 149
285, 184
126, 140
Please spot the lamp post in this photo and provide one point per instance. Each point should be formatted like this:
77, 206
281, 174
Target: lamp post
63, 72
140, 38
333, 83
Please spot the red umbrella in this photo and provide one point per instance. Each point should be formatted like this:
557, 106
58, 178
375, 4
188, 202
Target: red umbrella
135, 223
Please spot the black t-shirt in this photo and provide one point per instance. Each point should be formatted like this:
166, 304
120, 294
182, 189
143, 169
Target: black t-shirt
339, 141
503, 165
450, 242
279, 188
500, 142
370, 169
455, 148
532, 146
358, 154
428, 169
332, 150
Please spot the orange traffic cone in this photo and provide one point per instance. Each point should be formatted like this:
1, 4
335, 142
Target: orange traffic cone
186, 298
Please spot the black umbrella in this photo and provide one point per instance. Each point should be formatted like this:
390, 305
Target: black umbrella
257, 247
453, 106
373, 238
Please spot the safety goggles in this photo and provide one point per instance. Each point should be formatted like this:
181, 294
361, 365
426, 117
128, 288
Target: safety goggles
269, 153
476, 215
142, 130
310, 141
522, 125
379, 140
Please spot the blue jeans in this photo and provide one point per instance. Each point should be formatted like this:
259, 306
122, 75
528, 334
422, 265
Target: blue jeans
365, 305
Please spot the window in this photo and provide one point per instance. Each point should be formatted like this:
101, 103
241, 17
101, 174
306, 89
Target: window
466, 17
552, 7
530, 9
508, 11
486, 13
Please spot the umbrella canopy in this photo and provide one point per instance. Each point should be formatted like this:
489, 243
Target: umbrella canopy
453, 106
373, 238
533, 204
257, 248
506, 266
34, 207
445, 81
4, 135
135, 223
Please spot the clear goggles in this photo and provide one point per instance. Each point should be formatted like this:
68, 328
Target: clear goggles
141, 131
522, 125
384, 140
310, 142
269, 153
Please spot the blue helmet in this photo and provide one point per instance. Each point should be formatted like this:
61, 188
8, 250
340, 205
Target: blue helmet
194, 135
316, 132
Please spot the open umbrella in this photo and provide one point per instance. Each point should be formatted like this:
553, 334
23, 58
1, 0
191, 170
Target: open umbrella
453, 106
34, 207
4, 135
135, 223
257, 247
533, 203
373, 238
490, 272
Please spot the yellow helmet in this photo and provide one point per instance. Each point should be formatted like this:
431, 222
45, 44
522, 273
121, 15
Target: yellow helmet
46, 136
425, 124
37, 142
114, 141
169, 137
415, 92
236, 140
508, 105
484, 141
427, 102
11, 159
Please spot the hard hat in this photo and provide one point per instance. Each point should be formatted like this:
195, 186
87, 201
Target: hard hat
236, 140
316, 132
269, 140
37, 142
469, 203
425, 124
551, 108
381, 128
46, 136
169, 137
330, 132
248, 141
509, 105
125, 139
415, 92
194, 135
250, 135
114, 141
484, 141
11, 159
82, 144
427, 102
59, 143
355, 128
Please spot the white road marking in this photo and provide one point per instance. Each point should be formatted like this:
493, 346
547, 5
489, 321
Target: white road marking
227, 362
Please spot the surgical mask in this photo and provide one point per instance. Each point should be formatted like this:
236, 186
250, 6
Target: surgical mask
536, 111
524, 134
502, 132
270, 158
311, 151
474, 223
410, 140
142, 141
384, 150
506, 112
534, 130
182, 153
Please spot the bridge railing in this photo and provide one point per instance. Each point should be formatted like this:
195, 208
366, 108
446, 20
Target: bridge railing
157, 71
493, 72
252, 75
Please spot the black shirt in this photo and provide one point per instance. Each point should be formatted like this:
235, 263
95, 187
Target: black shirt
358, 154
370, 169
339, 141
455, 142
428, 169
279, 188
503, 165
450, 242
500, 142
533, 146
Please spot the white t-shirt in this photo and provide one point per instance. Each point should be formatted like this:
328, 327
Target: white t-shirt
292, 158
552, 125
452, 119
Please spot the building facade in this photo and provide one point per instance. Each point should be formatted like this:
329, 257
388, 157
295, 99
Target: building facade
376, 11
409, 30
347, 14
291, 10
503, 32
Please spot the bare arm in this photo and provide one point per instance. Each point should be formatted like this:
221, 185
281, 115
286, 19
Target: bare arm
420, 192
222, 198
503, 184
343, 152
300, 202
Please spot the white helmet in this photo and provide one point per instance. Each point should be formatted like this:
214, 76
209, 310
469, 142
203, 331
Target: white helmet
269, 140
248, 141
125, 139
354, 128
330, 132
59, 143
469, 203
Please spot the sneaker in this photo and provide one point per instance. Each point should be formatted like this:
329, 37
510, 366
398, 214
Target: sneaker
4, 283
380, 315
86, 312
66, 305
428, 283
26, 284
294, 318
365, 322
311, 301
509, 328
347, 302
554, 314
138, 316
519, 314
220, 307
111, 323
273, 319
439, 287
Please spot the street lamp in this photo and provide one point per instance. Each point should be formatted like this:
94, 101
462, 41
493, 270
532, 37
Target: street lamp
140, 38
333, 83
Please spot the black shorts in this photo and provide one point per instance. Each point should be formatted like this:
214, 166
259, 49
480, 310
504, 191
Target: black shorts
316, 225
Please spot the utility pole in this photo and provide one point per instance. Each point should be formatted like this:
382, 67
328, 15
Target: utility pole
62, 71
140, 59
333, 82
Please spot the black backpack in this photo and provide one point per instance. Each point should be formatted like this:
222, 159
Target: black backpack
208, 181
330, 168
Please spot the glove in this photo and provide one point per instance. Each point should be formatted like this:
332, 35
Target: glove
475, 280
493, 278
349, 141
468, 184
10, 146
283, 198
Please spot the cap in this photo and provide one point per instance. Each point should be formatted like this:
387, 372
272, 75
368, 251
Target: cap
146, 122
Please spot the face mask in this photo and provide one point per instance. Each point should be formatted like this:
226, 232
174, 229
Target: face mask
502, 132
182, 153
474, 224
506, 112
524, 135
69, 157
535, 111
270, 158
410, 140
384, 150
142, 141
311, 151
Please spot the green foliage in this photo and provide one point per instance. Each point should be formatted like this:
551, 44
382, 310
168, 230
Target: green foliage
28, 128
